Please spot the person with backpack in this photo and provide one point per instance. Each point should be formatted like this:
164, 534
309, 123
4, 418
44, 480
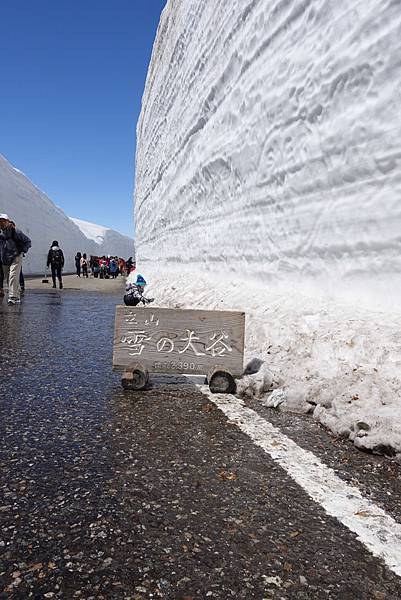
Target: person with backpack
55, 260
13, 245
84, 266
21, 275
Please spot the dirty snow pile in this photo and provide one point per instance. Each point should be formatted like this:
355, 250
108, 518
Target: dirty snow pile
44, 222
268, 172
312, 355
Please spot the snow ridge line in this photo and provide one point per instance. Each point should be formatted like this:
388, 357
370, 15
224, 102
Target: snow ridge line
374, 528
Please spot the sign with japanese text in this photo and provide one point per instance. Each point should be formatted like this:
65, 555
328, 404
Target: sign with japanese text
166, 340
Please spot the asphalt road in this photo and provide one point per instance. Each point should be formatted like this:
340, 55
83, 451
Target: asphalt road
113, 494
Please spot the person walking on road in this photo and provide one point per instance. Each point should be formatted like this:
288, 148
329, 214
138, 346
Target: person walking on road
78, 263
21, 274
13, 245
55, 260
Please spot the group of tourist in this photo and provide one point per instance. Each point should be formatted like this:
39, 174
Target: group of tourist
104, 267
14, 244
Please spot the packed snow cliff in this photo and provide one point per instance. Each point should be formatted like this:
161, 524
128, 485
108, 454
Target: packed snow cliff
43, 222
268, 179
108, 240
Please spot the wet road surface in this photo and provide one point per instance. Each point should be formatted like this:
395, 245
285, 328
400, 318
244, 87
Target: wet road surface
111, 494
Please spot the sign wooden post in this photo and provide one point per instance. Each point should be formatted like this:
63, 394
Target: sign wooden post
165, 340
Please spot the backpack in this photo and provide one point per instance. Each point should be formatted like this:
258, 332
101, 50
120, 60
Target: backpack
18, 243
56, 257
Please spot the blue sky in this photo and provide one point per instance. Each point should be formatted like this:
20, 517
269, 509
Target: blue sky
71, 81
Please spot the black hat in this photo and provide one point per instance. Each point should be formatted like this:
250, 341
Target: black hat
54, 243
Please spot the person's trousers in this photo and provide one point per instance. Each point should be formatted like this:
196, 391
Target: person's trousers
12, 272
56, 272
129, 300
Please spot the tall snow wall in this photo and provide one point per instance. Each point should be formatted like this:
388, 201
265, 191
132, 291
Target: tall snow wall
269, 143
43, 222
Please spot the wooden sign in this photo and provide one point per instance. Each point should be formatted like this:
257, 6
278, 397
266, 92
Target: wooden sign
165, 340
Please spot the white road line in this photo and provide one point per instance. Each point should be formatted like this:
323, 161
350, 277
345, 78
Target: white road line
379, 532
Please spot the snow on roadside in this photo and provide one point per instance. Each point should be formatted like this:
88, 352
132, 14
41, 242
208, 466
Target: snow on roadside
339, 362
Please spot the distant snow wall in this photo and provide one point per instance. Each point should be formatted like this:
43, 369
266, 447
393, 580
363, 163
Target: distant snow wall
269, 143
107, 241
43, 222
39, 218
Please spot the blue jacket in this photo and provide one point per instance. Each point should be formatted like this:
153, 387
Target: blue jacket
12, 243
113, 266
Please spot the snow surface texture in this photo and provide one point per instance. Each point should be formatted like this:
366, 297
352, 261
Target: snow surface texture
269, 143
43, 222
269, 156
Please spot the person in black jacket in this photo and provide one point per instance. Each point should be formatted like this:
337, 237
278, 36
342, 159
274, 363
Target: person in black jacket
13, 245
55, 259
134, 291
78, 257
128, 265
21, 274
